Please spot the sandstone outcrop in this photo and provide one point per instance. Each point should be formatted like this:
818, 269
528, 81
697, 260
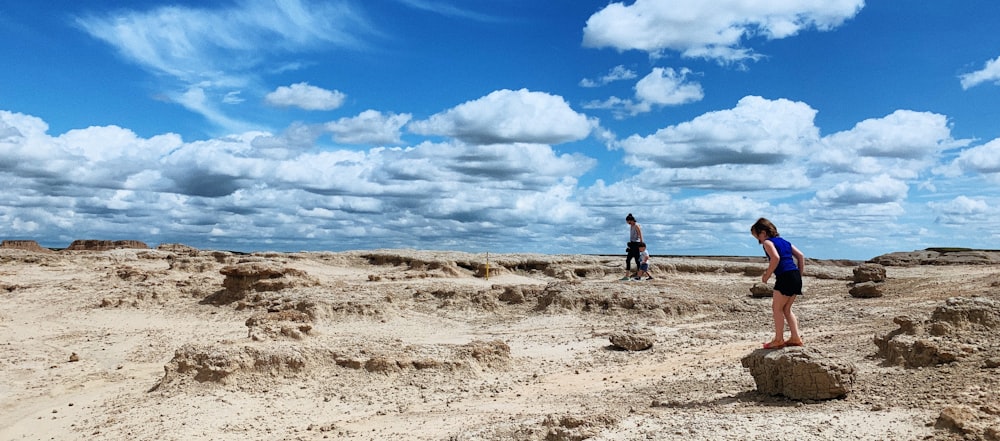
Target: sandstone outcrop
287, 324
866, 290
253, 366
105, 245
260, 277
632, 340
869, 272
869, 279
230, 364
177, 248
970, 423
800, 373
760, 290
939, 256
961, 328
27, 245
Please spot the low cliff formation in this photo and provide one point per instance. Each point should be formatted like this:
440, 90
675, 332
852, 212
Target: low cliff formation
104, 245
939, 256
28, 245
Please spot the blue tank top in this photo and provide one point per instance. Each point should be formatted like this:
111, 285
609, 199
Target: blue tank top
786, 262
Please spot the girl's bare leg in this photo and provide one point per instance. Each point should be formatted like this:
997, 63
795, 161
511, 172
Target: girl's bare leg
793, 321
778, 302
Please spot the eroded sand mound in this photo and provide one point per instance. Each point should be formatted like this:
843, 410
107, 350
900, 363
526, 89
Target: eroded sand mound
963, 334
965, 329
262, 366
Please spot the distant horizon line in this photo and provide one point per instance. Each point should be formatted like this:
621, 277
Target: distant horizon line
943, 250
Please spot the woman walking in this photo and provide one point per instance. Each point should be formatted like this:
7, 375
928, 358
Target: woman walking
632, 252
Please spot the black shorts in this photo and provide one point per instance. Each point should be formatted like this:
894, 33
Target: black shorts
788, 283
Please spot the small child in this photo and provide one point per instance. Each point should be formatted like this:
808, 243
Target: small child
643, 263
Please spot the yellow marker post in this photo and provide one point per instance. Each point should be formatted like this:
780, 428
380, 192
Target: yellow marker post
487, 265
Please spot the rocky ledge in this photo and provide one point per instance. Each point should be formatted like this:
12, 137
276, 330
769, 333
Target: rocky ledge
939, 256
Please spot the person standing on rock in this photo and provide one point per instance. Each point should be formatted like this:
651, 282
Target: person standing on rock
632, 252
782, 257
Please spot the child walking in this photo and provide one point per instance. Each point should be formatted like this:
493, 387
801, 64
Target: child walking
643, 263
782, 257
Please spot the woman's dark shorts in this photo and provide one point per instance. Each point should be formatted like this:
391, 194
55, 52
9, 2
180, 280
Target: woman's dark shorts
788, 283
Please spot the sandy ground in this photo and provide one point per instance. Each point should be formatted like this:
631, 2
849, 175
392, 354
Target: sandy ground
410, 345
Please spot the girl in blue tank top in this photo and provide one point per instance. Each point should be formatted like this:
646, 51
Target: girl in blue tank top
785, 262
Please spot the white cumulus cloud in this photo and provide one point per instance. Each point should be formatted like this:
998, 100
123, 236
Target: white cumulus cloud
901, 144
989, 72
980, 159
756, 131
877, 190
509, 116
616, 73
667, 87
901, 134
962, 210
369, 127
661, 87
240, 190
306, 96
715, 29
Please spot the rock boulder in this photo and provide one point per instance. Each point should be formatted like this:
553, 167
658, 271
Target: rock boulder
632, 340
800, 373
760, 290
866, 290
869, 272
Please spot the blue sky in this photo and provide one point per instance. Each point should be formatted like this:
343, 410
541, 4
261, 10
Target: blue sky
859, 128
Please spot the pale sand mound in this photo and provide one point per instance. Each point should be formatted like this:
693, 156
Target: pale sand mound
178, 344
